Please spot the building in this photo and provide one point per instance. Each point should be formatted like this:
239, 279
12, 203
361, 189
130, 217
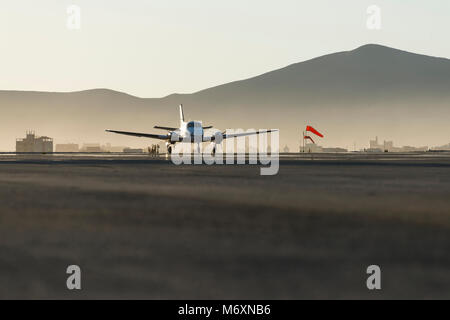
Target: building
33, 143
311, 147
413, 149
109, 148
68, 147
314, 148
373, 144
443, 148
388, 146
97, 147
91, 147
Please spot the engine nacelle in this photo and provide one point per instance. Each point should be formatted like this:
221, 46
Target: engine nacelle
218, 137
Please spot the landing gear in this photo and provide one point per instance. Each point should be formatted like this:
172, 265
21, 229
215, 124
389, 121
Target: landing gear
169, 148
214, 149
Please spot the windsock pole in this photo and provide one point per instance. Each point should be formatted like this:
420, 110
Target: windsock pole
304, 143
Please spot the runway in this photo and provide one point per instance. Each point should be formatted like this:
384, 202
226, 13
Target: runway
141, 227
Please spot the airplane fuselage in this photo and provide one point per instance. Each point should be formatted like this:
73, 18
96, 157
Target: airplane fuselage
191, 131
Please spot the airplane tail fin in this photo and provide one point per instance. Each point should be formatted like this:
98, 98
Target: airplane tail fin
181, 114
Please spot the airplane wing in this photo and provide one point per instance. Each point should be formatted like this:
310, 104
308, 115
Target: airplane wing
234, 135
165, 128
145, 135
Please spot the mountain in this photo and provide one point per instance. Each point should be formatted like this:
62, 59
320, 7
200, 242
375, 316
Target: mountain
350, 96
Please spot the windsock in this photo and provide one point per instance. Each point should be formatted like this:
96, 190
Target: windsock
311, 129
308, 137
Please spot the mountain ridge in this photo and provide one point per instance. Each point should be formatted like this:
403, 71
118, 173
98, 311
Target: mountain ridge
372, 89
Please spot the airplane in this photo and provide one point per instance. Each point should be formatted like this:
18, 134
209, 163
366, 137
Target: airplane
192, 131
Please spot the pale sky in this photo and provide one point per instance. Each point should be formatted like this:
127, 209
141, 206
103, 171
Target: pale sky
152, 48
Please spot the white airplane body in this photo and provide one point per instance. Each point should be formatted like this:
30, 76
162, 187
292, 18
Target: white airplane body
191, 131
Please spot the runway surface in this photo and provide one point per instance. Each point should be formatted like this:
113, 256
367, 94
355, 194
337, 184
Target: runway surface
144, 228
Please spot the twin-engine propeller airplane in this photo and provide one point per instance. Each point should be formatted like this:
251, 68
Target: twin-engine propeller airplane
192, 131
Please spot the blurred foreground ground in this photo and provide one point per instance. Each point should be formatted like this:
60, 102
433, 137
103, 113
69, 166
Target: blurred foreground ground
142, 228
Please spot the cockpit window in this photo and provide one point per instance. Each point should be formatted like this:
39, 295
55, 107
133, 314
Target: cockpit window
190, 125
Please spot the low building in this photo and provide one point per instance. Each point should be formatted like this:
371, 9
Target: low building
311, 147
413, 149
67, 147
91, 147
443, 148
109, 148
33, 143
386, 146
373, 144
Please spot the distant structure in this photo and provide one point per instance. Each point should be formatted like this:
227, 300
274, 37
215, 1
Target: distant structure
411, 149
33, 143
314, 148
91, 147
97, 147
311, 147
68, 147
374, 146
388, 146
445, 147
109, 148
286, 149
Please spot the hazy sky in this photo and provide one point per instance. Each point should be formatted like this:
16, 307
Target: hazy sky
151, 48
